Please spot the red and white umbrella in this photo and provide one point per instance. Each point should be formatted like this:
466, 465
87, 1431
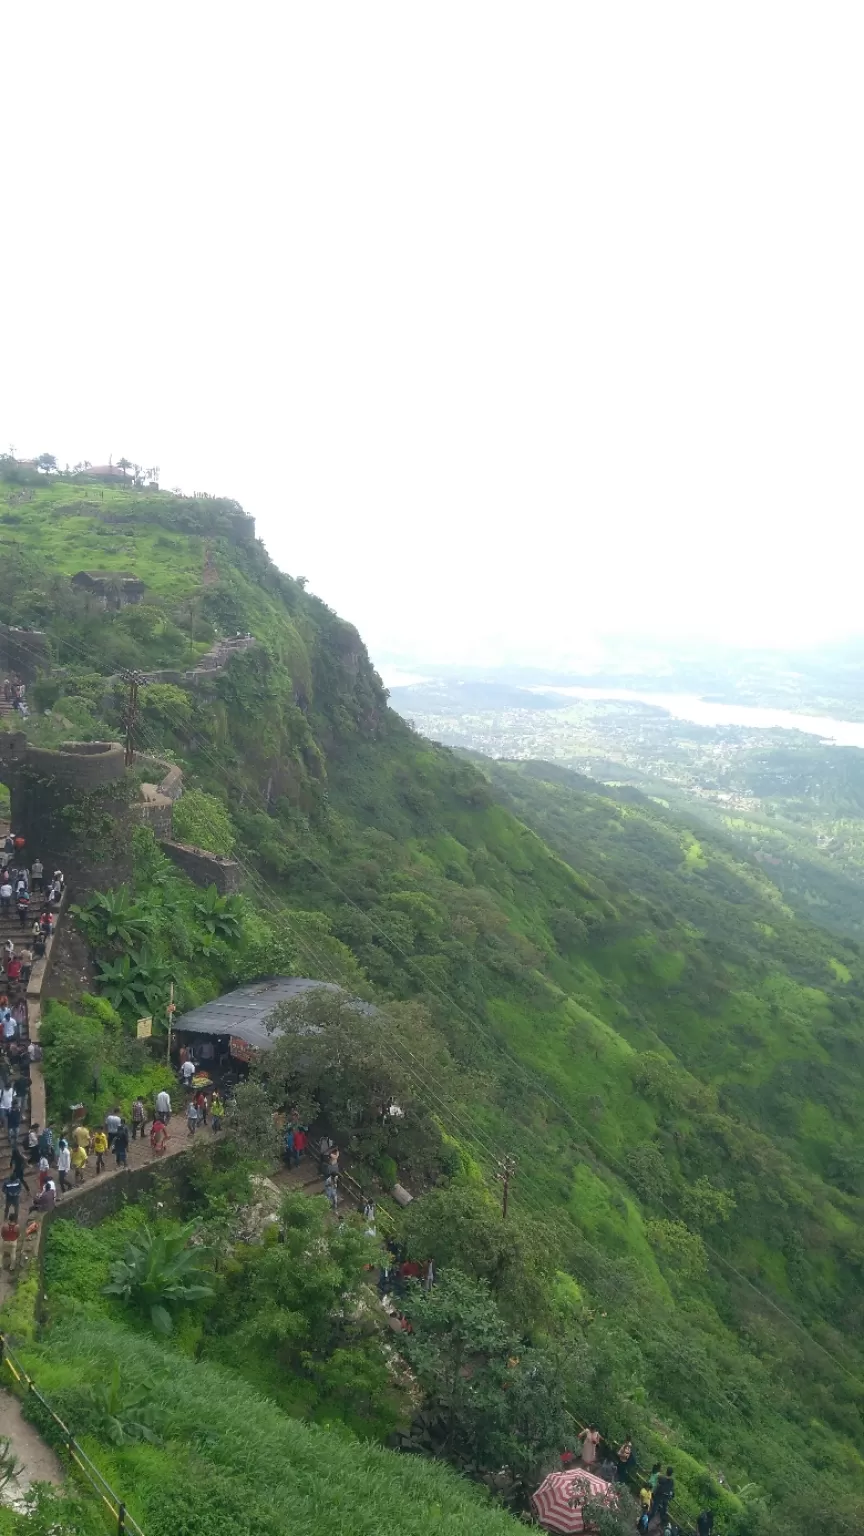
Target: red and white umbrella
558, 1501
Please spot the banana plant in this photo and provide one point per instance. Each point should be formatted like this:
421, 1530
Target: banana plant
219, 915
115, 918
135, 982
157, 1271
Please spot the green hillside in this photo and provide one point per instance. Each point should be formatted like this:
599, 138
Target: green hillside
613, 996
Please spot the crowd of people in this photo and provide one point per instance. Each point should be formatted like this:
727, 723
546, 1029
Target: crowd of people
656, 1492
15, 693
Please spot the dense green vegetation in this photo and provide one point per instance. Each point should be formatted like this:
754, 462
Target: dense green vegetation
603, 990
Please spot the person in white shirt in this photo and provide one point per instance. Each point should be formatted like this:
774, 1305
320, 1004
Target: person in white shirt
163, 1106
113, 1122
10, 1025
7, 1096
5, 896
64, 1163
187, 1072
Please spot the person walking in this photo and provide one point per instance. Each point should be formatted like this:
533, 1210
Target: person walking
191, 1117
705, 1523
7, 1096
113, 1122
590, 1438
13, 1122
301, 1141
6, 897
201, 1106
46, 1143
10, 1232
163, 1106
331, 1190
100, 1147
33, 1144
139, 1118
23, 909
158, 1136
26, 964
36, 875
187, 1072
217, 1110
78, 1159
12, 1188
64, 1164
664, 1493
121, 1145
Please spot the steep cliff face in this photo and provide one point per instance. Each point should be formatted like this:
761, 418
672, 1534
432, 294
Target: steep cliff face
683, 1079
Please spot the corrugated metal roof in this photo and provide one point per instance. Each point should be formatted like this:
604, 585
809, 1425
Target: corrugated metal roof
243, 1012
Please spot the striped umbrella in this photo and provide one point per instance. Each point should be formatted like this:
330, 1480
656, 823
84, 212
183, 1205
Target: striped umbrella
558, 1501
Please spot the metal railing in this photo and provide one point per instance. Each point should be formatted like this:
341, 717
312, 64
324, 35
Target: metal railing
121, 1519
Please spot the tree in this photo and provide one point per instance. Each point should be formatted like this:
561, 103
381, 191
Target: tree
47, 463
124, 464
489, 1401
159, 1270
681, 1250
462, 1228
359, 1064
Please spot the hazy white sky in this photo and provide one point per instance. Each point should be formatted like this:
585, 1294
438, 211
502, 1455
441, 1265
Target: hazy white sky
508, 323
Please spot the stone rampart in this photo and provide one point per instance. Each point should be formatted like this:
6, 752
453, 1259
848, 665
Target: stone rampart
79, 765
205, 868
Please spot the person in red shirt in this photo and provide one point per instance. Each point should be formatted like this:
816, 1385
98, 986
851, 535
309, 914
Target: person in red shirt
13, 970
299, 1147
10, 1232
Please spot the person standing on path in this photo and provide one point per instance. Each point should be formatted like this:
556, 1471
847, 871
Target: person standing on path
158, 1136
331, 1190
113, 1122
187, 1072
590, 1438
191, 1117
6, 897
10, 1232
7, 1096
100, 1147
217, 1110
14, 1123
79, 1161
64, 1164
705, 1523
36, 873
139, 1118
163, 1106
121, 1144
12, 1192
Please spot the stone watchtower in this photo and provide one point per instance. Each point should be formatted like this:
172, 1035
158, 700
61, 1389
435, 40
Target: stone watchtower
73, 803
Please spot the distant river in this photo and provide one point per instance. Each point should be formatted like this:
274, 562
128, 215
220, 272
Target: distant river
685, 706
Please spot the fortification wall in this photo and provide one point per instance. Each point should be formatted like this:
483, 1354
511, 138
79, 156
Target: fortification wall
77, 765
205, 868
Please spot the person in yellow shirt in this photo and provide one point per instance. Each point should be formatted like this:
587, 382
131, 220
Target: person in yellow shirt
100, 1147
79, 1162
81, 1136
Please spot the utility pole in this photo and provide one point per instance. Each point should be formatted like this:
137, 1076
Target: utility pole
507, 1169
170, 1010
133, 681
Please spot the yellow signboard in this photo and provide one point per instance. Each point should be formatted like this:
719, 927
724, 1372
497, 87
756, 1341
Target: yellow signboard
145, 1028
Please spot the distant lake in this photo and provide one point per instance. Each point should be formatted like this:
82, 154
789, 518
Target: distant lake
685, 706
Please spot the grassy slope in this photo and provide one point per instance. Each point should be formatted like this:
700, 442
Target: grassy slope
691, 1015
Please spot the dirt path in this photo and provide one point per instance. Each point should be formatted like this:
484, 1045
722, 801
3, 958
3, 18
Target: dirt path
37, 1463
